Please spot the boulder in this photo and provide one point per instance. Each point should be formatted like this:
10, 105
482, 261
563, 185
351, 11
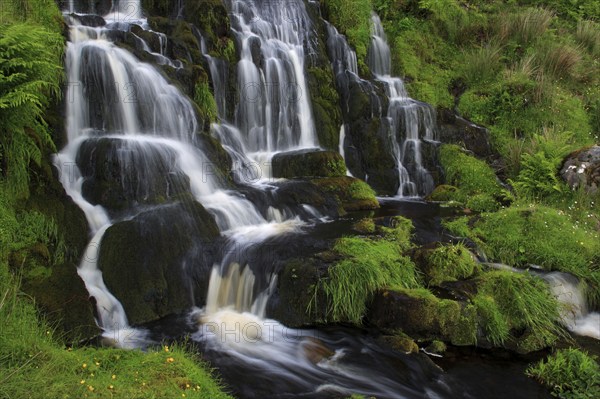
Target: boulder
581, 169
454, 129
308, 163
352, 194
120, 174
159, 262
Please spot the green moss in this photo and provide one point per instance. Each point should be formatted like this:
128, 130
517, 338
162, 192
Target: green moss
437, 347
352, 18
449, 263
443, 192
367, 265
542, 236
459, 226
325, 106
308, 163
364, 226
508, 302
570, 373
352, 194
205, 100
476, 181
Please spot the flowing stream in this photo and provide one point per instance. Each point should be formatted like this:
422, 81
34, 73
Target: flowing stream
115, 101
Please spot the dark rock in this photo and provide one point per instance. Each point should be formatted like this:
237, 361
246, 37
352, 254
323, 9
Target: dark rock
352, 194
119, 174
92, 20
581, 169
315, 350
308, 163
159, 262
454, 129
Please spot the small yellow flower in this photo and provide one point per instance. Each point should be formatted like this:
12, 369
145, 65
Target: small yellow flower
187, 385
97, 363
110, 387
84, 365
170, 360
82, 382
90, 388
114, 377
166, 348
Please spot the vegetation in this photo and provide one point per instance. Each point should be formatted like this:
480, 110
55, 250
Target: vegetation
449, 263
478, 186
32, 244
570, 373
203, 97
508, 301
366, 266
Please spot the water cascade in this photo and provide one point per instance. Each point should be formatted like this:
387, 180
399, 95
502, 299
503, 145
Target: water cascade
411, 121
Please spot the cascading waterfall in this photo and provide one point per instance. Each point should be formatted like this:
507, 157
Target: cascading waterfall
575, 314
273, 113
112, 96
411, 121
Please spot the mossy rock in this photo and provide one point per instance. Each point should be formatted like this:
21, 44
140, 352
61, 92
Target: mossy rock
308, 163
156, 262
418, 313
365, 226
443, 263
325, 106
102, 163
400, 342
443, 193
352, 194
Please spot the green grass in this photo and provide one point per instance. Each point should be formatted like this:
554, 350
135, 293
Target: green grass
570, 373
449, 263
508, 301
477, 184
366, 266
205, 100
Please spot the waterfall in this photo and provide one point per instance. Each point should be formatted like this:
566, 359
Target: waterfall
574, 314
411, 121
114, 98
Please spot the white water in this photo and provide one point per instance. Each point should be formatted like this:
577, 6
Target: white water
575, 314
139, 109
410, 120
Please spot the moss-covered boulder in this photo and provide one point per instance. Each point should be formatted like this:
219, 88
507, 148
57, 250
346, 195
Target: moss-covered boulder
159, 262
308, 163
119, 174
420, 314
581, 169
54, 283
456, 130
352, 194
443, 263
443, 193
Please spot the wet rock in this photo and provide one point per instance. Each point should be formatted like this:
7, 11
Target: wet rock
89, 19
315, 350
159, 262
352, 194
443, 193
581, 169
120, 174
400, 342
308, 163
454, 129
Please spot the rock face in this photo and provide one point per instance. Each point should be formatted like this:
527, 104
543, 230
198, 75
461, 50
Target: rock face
308, 163
581, 169
456, 130
157, 262
352, 194
114, 178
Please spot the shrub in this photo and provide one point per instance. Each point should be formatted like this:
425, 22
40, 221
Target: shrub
538, 177
570, 373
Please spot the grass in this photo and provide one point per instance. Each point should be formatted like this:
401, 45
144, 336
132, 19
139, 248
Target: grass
34, 364
524, 26
366, 266
449, 263
570, 373
507, 301
477, 184
588, 35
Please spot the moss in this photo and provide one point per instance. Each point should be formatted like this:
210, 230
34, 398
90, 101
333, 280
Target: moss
476, 181
570, 373
449, 263
542, 236
325, 106
400, 342
308, 163
437, 347
205, 101
352, 194
364, 226
443, 192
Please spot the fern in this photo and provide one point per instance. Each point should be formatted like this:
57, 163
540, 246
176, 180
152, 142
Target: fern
30, 76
